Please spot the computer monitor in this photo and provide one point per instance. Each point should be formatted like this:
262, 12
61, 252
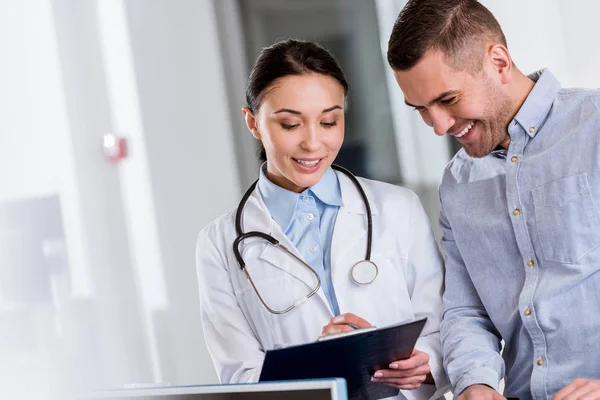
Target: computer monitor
313, 389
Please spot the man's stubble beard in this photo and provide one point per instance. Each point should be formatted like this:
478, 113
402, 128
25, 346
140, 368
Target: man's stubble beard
498, 115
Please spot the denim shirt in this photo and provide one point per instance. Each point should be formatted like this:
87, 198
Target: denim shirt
308, 219
521, 233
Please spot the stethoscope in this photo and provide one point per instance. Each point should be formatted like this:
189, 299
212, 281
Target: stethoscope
362, 273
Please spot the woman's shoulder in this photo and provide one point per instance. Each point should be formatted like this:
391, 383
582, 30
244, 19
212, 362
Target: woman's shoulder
388, 194
221, 227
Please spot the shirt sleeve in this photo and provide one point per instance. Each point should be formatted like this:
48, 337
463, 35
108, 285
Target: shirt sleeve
235, 351
470, 341
425, 285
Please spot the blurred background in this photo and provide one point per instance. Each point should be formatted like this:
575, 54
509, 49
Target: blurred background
97, 274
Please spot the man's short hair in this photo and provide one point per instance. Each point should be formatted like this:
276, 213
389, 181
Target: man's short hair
457, 28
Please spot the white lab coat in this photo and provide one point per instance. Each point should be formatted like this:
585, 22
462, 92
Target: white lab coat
238, 329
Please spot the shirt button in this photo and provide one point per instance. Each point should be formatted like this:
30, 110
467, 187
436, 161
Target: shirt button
313, 248
310, 217
514, 159
305, 199
540, 362
530, 263
532, 129
527, 312
516, 212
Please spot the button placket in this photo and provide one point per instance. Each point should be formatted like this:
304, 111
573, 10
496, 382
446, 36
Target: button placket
514, 167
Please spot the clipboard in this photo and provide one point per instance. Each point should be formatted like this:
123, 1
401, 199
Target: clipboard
354, 358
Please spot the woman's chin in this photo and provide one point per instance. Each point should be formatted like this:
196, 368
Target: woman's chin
306, 180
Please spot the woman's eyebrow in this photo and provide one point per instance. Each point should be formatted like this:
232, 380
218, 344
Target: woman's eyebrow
289, 110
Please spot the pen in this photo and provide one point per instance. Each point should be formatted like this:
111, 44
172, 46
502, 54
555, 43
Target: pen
353, 326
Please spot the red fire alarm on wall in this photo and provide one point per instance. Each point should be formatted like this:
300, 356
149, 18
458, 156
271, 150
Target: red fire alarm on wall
115, 147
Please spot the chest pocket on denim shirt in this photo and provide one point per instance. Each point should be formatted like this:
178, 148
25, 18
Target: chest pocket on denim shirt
566, 218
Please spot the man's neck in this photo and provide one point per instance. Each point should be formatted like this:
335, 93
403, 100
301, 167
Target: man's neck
521, 86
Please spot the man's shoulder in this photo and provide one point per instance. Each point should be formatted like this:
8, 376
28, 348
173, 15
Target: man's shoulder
579, 92
458, 168
579, 98
578, 107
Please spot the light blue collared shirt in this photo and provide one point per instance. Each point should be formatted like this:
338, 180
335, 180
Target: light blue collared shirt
522, 243
308, 219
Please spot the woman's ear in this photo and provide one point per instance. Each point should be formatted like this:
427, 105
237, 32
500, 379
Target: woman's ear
251, 122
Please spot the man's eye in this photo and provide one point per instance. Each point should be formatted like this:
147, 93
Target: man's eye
448, 101
289, 127
419, 109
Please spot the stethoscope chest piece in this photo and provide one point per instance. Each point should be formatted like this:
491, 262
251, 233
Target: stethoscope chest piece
364, 272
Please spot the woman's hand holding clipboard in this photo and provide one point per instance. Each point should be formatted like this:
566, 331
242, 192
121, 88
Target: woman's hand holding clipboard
406, 374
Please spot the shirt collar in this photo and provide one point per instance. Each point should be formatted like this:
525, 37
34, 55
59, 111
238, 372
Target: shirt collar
281, 202
328, 189
535, 109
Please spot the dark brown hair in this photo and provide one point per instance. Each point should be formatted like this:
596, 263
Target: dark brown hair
288, 57
458, 28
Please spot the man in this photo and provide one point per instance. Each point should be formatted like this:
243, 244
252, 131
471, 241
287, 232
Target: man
519, 206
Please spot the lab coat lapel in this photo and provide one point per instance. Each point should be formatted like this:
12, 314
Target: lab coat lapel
256, 217
349, 242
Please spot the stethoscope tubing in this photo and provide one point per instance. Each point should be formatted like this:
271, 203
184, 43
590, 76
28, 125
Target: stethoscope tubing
241, 235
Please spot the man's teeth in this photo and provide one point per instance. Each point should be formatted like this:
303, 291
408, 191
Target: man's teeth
464, 132
308, 163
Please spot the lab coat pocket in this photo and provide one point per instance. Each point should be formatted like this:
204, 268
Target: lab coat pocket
566, 218
393, 279
383, 302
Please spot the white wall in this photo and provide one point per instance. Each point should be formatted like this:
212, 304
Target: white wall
161, 86
189, 140
581, 30
58, 99
534, 33
31, 151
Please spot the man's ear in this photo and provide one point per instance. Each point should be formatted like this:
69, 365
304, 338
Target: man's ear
251, 122
501, 62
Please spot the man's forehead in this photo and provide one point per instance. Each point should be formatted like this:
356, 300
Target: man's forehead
428, 80
426, 91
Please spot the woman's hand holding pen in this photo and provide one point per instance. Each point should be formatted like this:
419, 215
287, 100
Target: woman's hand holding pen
406, 374
344, 323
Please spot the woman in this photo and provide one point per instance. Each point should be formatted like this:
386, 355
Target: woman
295, 107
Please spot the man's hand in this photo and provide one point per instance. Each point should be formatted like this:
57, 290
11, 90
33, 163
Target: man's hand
406, 374
579, 389
342, 323
480, 392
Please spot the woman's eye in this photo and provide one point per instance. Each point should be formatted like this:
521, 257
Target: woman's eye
289, 127
329, 124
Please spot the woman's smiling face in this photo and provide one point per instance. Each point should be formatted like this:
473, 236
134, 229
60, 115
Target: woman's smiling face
300, 123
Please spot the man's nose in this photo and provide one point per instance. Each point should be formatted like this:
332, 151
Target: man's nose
442, 121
